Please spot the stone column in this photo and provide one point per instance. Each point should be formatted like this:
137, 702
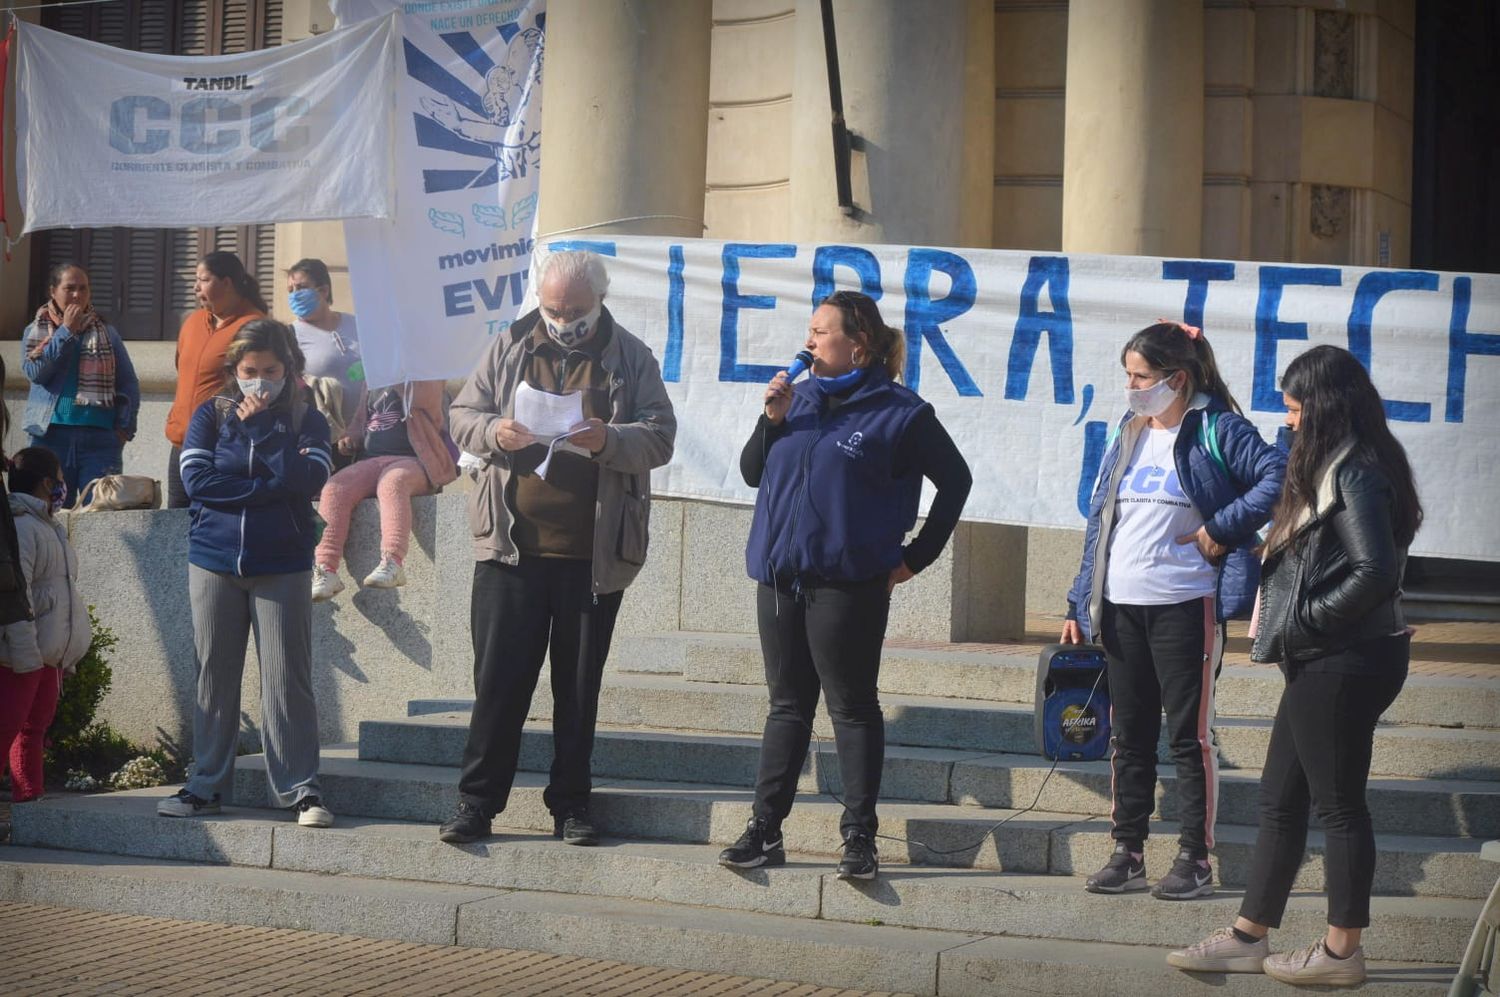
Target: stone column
919, 96
918, 82
625, 116
1133, 130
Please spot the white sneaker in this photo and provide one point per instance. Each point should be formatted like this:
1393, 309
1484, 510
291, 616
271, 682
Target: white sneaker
325, 584
1222, 952
312, 813
388, 574
1313, 966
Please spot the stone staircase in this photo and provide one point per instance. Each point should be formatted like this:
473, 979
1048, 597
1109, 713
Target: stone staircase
980, 888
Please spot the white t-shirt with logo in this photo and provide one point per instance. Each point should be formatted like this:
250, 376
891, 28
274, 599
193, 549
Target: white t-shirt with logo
1146, 566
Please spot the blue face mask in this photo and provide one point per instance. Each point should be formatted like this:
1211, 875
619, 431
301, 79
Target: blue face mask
304, 302
1285, 437
59, 495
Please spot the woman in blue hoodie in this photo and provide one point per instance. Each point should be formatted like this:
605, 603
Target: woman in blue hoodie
839, 461
1182, 491
253, 460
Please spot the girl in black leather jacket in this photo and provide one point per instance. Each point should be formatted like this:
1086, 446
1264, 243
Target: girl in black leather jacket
1330, 617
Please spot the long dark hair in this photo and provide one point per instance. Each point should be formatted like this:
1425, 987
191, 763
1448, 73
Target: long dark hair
1170, 346
222, 263
4, 411
1340, 406
863, 324
266, 335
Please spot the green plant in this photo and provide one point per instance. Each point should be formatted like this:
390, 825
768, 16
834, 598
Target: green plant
79, 746
82, 692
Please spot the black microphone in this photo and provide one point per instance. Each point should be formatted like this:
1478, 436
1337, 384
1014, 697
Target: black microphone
800, 363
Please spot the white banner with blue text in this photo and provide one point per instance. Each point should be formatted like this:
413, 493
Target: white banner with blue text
298, 132
468, 103
1020, 354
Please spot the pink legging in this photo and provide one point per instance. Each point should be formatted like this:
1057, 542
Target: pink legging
393, 481
27, 704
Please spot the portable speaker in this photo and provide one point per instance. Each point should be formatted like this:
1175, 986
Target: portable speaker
1072, 703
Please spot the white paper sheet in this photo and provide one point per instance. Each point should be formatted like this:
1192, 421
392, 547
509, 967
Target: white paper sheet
545, 415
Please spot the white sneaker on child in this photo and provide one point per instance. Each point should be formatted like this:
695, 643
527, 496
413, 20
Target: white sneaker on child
325, 583
388, 574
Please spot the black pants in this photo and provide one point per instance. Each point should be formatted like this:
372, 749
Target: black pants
516, 615
1320, 751
826, 637
1163, 658
177, 496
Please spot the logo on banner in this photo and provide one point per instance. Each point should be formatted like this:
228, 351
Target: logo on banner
483, 120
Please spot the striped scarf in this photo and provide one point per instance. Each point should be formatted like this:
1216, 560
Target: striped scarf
96, 356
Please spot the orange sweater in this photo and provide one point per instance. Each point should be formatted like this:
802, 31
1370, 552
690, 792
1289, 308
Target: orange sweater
200, 366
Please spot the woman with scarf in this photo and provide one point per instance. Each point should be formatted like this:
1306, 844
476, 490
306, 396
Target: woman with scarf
838, 463
84, 395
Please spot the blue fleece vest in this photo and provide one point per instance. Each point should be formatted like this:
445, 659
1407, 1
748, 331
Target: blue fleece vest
829, 506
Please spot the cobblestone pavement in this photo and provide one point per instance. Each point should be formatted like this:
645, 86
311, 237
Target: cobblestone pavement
60, 952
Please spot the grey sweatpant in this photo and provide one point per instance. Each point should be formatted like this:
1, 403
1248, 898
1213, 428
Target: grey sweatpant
279, 609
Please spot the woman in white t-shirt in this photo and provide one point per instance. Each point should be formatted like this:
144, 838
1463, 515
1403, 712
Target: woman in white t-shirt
1182, 491
330, 342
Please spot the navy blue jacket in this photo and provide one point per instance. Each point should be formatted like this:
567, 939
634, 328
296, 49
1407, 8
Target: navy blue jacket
1234, 490
252, 486
830, 507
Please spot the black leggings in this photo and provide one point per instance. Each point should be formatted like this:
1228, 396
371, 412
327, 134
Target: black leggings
827, 637
1320, 752
1163, 658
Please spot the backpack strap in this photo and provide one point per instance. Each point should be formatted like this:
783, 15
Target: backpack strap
1208, 431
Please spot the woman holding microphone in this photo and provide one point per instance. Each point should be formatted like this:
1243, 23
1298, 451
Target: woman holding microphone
839, 461
1167, 559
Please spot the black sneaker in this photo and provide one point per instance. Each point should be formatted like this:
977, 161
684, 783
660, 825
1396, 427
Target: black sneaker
467, 824
759, 845
1123, 873
1188, 879
860, 859
575, 828
185, 804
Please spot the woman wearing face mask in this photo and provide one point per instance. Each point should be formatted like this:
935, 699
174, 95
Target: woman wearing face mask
1330, 618
253, 460
838, 463
228, 298
330, 342
84, 394
401, 453
1182, 490
35, 653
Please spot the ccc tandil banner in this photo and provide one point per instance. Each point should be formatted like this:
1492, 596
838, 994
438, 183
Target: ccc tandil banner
299, 132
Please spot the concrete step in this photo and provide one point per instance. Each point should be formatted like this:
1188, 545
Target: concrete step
964, 671
793, 948
939, 834
930, 775
973, 902
669, 702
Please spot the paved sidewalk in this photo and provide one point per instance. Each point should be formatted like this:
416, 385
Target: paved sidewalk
56, 952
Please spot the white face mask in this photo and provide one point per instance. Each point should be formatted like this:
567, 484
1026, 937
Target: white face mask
1152, 401
576, 331
261, 386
